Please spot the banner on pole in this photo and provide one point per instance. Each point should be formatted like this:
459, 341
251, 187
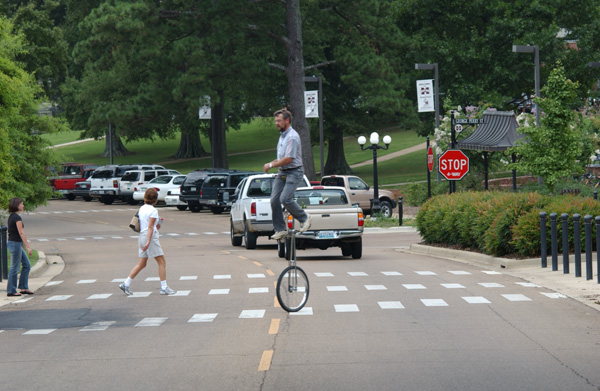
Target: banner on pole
425, 95
204, 112
311, 104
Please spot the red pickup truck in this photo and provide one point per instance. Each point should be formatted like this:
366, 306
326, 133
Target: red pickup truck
69, 175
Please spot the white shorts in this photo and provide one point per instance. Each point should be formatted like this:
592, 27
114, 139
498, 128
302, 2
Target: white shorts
154, 250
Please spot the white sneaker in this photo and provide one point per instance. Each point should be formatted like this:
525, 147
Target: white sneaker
305, 225
125, 289
167, 291
278, 235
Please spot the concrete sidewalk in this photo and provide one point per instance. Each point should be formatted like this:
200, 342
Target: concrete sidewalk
578, 288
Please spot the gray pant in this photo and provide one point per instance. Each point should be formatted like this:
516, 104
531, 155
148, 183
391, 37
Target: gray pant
283, 193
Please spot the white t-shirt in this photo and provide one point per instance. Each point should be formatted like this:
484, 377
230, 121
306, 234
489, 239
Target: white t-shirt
145, 213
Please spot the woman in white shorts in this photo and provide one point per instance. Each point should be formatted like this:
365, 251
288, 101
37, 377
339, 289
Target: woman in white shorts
149, 245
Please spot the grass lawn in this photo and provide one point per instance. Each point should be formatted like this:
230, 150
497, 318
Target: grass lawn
33, 258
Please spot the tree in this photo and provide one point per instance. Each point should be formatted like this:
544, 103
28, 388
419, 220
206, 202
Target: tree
552, 149
24, 156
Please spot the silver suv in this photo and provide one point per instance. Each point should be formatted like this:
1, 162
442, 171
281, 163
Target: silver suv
133, 179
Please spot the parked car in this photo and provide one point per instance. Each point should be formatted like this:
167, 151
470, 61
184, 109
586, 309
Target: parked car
251, 215
104, 182
362, 193
71, 174
134, 180
191, 187
336, 222
218, 188
163, 184
172, 199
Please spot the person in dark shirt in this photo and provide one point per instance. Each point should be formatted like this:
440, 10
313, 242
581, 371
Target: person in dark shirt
18, 257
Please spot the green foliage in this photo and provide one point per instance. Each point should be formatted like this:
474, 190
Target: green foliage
551, 150
498, 223
23, 154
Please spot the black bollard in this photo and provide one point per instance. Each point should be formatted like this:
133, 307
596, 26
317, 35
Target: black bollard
565, 239
577, 243
544, 250
588, 247
595, 195
3, 252
400, 211
554, 241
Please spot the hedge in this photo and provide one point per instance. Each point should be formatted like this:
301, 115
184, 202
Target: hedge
500, 223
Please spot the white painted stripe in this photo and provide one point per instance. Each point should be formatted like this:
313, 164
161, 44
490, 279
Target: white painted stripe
459, 272
257, 275
434, 303
358, 274
337, 288
21, 300
303, 311
59, 297
98, 237
39, 332
516, 297
116, 237
324, 274
376, 287
173, 234
252, 314
192, 234
61, 240
390, 305
346, 308
222, 277
188, 278
151, 322
150, 279
413, 286
202, 318
140, 294
100, 296
180, 293
452, 286
52, 283
210, 233
86, 281
43, 240
258, 290
476, 300
426, 273
118, 280
98, 326
551, 295
528, 284
491, 272
491, 285
391, 273
218, 292
79, 238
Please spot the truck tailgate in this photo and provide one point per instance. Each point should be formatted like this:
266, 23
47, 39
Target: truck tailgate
332, 219
263, 209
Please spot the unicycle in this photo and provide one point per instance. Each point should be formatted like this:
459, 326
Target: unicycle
292, 284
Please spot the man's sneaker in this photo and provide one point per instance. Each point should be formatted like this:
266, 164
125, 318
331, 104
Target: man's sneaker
167, 291
125, 290
305, 225
278, 235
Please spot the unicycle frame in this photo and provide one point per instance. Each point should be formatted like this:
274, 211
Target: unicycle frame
291, 273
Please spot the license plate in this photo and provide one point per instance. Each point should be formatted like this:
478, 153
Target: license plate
101, 192
192, 189
326, 234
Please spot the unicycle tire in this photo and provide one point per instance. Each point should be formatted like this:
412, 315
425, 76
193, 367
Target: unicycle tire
292, 289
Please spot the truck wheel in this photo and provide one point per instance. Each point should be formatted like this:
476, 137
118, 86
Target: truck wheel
195, 207
87, 198
346, 250
235, 240
182, 207
356, 248
280, 249
131, 201
107, 200
386, 208
217, 210
249, 238
70, 197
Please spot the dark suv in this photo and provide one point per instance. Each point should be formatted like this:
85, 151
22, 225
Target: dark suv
191, 187
218, 188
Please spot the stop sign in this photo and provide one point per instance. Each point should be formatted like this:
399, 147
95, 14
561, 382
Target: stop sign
453, 164
430, 159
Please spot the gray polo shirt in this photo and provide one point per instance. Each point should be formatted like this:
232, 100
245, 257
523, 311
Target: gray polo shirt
289, 145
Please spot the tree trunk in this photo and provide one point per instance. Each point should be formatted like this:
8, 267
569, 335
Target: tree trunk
190, 145
336, 159
118, 148
295, 73
217, 128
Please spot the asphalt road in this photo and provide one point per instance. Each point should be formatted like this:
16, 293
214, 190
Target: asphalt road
389, 321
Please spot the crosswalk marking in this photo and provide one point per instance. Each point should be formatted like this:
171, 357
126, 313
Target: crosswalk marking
59, 297
218, 292
100, 296
339, 288
388, 305
86, 281
303, 311
358, 274
202, 318
252, 314
434, 303
459, 272
324, 275
554, 295
98, 326
516, 297
426, 273
414, 286
346, 308
476, 300
188, 278
39, 332
151, 322
391, 273
180, 294
453, 286
258, 290
375, 287
139, 294
491, 285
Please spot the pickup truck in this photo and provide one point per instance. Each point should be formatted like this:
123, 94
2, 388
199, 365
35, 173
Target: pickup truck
218, 188
362, 193
336, 222
251, 210
69, 175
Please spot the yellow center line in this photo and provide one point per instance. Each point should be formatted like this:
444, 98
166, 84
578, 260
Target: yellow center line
242, 257
226, 252
270, 272
274, 329
276, 303
102, 222
257, 263
265, 361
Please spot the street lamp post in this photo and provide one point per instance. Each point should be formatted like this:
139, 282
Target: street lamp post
374, 140
318, 79
436, 92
